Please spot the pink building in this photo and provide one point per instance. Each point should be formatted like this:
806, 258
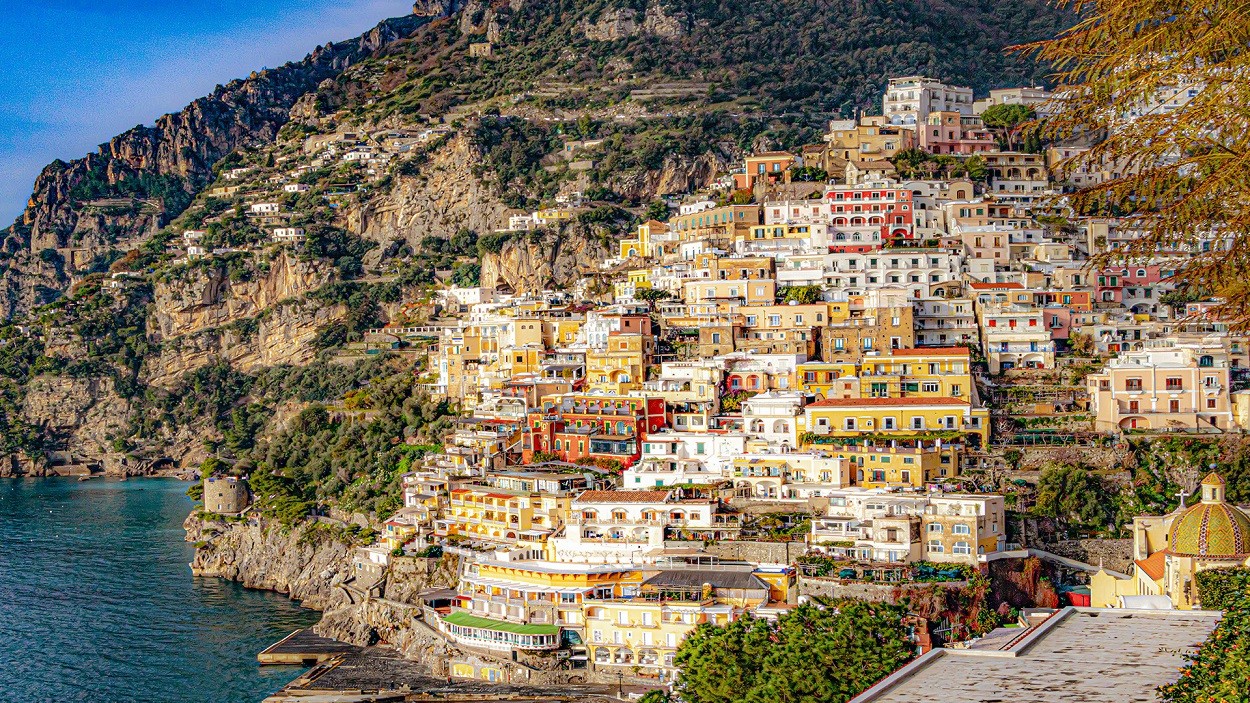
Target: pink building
953, 133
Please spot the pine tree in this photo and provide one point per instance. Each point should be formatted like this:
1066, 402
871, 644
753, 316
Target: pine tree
1163, 86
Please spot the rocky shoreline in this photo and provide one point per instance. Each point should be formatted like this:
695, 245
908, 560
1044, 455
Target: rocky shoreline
312, 563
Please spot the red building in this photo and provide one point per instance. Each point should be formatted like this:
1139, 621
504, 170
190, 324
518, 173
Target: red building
888, 210
588, 425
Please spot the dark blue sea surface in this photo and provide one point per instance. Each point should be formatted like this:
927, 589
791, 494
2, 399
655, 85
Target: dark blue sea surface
97, 602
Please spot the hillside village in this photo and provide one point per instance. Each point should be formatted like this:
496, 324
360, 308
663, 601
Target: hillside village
837, 371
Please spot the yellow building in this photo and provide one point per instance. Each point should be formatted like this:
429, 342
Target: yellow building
782, 329
642, 634
930, 372
501, 515
748, 292
869, 140
872, 330
909, 464
643, 244
898, 417
635, 280
561, 332
621, 367
1170, 550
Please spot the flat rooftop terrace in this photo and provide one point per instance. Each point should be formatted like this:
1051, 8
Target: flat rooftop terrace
1079, 654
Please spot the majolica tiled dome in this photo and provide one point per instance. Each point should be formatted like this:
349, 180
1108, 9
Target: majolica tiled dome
1211, 528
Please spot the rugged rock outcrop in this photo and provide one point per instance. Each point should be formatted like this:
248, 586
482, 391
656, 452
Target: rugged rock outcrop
678, 175
532, 262
443, 198
86, 410
621, 23
208, 299
306, 562
285, 334
155, 171
392, 618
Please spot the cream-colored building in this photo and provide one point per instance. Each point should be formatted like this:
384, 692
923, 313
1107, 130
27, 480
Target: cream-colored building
1176, 389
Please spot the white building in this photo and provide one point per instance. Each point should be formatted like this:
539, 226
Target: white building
772, 418
683, 458
874, 525
288, 234
629, 527
909, 100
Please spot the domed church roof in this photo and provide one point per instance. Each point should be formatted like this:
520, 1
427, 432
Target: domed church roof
1211, 528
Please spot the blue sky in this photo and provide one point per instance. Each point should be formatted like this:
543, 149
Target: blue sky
77, 72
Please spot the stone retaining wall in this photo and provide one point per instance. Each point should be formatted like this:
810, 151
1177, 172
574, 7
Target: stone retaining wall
875, 592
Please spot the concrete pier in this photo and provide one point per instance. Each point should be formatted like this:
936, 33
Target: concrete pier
304, 648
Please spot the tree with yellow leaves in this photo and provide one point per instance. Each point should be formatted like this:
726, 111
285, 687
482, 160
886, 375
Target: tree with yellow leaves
1162, 91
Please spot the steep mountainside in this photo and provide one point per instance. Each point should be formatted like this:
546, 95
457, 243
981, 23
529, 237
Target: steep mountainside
86, 210
205, 287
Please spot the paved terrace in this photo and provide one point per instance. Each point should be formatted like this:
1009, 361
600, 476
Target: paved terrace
1079, 654
381, 675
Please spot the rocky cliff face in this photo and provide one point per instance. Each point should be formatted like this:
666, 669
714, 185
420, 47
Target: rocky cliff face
206, 299
157, 170
621, 23
88, 412
309, 564
306, 562
533, 262
443, 198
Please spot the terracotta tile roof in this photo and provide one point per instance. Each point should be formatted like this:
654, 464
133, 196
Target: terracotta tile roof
884, 402
1152, 566
932, 351
622, 497
976, 285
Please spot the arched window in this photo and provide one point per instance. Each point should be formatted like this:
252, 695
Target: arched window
961, 530
962, 548
936, 547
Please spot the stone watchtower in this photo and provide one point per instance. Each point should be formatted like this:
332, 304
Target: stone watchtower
226, 495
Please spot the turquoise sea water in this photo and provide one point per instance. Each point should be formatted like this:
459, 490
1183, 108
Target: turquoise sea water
97, 602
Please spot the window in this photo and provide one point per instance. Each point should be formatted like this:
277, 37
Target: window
962, 548
1174, 406
936, 547
929, 387
888, 423
1210, 403
1132, 384
850, 423
917, 423
961, 530
1174, 384
934, 527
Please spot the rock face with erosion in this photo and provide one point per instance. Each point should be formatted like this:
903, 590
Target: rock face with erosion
534, 262
306, 562
207, 299
178, 152
443, 198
